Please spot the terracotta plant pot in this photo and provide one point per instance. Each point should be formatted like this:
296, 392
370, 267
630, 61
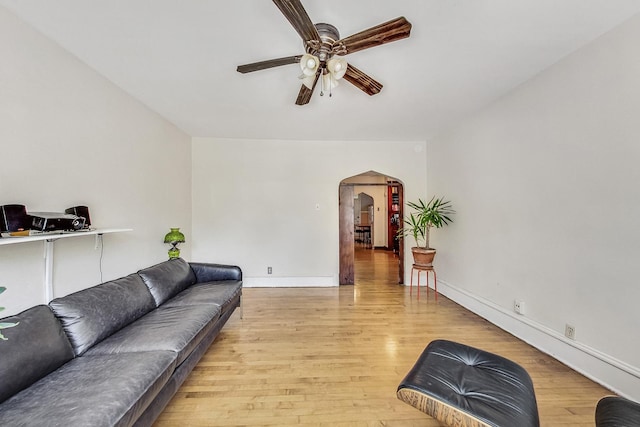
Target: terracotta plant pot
422, 256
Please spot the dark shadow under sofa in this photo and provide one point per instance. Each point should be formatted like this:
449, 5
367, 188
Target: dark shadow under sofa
114, 354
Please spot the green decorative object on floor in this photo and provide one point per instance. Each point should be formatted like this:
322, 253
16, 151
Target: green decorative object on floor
174, 237
4, 325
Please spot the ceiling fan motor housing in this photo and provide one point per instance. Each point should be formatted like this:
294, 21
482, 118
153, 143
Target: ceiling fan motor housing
328, 36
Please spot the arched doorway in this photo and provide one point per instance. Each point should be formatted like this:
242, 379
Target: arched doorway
382, 219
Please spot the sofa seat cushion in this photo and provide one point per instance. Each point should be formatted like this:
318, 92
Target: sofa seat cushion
90, 315
167, 279
34, 348
223, 293
177, 329
111, 390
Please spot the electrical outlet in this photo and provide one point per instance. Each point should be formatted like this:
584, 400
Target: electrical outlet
518, 306
269, 270
570, 331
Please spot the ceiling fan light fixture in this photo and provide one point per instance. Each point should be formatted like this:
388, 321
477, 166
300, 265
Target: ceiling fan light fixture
308, 81
309, 64
337, 67
329, 82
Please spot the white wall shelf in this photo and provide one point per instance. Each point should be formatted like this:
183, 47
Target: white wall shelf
49, 239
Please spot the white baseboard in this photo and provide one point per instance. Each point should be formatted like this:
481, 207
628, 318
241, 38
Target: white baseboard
289, 282
600, 367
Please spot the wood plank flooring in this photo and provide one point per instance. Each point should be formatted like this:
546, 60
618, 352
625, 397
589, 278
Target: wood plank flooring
335, 356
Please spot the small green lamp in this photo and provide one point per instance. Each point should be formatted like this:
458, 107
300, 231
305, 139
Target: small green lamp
174, 237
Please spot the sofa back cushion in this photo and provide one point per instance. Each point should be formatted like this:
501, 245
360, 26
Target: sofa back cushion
33, 349
90, 315
167, 279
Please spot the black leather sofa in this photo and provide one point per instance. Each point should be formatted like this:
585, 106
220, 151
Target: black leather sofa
114, 354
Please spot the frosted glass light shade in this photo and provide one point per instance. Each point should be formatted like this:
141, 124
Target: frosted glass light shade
329, 82
175, 235
309, 64
308, 81
337, 66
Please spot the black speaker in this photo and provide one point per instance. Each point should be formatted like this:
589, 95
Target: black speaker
14, 218
82, 211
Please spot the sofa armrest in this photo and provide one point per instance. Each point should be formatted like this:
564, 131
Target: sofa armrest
206, 272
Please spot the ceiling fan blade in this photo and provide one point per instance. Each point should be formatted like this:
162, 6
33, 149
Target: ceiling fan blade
304, 96
297, 16
387, 32
362, 81
263, 65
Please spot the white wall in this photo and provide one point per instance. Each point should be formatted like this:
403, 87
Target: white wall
68, 137
545, 182
254, 202
380, 220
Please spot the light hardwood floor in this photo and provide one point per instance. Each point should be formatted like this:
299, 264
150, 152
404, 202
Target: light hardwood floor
335, 356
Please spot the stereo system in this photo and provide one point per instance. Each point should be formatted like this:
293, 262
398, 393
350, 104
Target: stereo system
15, 218
53, 221
81, 211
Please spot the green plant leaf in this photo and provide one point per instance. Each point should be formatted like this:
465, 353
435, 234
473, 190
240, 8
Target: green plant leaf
4, 325
434, 213
2, 289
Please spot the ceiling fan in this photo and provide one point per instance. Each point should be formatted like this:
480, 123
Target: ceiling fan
323, 60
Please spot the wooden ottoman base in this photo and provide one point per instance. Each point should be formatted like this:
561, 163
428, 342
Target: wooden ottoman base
466, 387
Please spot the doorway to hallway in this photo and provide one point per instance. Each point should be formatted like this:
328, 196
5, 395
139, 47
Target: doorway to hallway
363, 214
369, 215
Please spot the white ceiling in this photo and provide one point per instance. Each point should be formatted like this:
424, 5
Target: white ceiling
179, 57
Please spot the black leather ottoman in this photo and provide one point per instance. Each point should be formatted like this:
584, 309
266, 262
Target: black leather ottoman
614, 411
464, 386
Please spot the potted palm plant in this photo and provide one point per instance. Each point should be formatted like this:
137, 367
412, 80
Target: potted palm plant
436, 213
